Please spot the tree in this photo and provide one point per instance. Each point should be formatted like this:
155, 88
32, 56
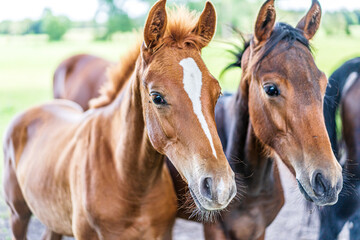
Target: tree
54, 26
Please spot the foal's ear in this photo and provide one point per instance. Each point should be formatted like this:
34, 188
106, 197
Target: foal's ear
265, 22
310, 23
206, 25
155, 25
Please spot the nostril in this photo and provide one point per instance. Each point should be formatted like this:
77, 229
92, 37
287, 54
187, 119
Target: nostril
205, 188
320, 186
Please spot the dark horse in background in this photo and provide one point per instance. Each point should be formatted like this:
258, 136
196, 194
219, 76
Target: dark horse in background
79, 78
343, 92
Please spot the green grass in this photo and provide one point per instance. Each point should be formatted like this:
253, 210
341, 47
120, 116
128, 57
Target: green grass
27, 64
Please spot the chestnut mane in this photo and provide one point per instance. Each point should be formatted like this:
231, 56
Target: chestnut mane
179, 33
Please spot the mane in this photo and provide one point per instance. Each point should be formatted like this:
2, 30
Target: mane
282, 32
179, 33
180, 29
333, 95
117, 76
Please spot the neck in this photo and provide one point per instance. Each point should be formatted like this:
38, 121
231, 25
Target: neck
133, 155
247, 155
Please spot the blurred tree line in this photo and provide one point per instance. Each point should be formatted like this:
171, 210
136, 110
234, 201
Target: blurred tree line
54, 26
230, 13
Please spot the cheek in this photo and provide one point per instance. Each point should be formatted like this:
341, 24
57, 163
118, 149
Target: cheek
267, 118
278, 117
159, 129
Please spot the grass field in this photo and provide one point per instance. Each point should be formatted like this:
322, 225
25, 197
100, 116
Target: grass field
27, 64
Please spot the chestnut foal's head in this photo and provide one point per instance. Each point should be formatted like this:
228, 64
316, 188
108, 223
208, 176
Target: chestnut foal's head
286, 91
179, 96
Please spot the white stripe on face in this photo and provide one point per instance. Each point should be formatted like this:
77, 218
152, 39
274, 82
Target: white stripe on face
192, 85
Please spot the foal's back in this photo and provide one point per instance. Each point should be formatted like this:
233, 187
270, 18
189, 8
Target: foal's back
79, 78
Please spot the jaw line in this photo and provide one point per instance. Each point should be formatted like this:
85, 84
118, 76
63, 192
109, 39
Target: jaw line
302, 190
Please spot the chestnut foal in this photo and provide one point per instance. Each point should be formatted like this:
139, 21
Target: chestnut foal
277, 113
101, 174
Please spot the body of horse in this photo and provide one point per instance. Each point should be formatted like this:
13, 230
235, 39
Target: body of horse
343, 92
100, 174
79, 78
69, 194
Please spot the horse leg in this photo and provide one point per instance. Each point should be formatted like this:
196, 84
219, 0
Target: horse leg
168, 234
213, 231
19, 220
20, 212
262, 237
50, 235
82, 229
330, 224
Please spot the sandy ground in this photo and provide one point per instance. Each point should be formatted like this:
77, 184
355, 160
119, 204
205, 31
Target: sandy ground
294, 222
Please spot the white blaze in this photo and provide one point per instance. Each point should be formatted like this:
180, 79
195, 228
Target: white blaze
192, 85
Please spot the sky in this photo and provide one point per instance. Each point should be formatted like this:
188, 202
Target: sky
79, 10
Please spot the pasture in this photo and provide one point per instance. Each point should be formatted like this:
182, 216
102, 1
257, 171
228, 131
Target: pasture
27, 64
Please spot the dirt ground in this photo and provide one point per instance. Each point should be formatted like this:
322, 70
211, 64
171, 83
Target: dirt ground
294, 222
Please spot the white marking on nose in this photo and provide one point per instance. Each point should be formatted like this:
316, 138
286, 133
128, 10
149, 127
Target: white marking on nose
222, 198
349, 82
192, 85
221, 185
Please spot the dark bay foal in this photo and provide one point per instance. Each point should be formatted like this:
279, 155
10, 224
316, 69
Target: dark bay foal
277, 113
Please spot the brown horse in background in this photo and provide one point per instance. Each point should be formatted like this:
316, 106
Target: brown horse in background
101, 174
79, 78
277, 113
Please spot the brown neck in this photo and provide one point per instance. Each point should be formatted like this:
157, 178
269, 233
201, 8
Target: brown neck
137, 164
246, 153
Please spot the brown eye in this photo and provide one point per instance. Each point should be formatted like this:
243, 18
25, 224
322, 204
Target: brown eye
271, 90
158, 99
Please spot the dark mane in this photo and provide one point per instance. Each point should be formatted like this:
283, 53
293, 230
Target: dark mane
282, 33
286, 33
333, 96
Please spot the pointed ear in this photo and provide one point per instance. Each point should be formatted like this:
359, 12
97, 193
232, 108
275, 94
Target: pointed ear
155, 25
206, 25
310, 23
265, 22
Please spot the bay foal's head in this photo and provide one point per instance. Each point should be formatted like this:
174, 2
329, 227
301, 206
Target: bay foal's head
178, 98
285, 91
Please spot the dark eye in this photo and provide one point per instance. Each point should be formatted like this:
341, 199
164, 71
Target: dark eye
158, 99
272, 90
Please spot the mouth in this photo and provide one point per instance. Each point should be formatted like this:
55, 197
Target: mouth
302, 190
327, 200
198, 204
203, 214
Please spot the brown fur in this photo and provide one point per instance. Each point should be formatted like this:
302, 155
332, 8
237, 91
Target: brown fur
256, 129
118, 75
79, 78
100, 174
